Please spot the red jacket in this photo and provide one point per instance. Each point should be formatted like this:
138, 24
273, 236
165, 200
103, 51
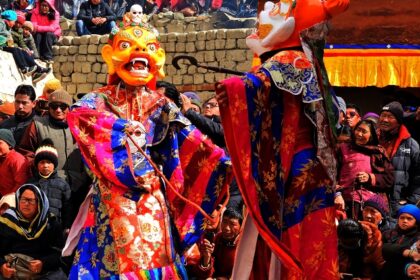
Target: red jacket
41, 22
14, 172
221, 264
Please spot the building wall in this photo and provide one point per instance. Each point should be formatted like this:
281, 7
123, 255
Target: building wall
79, 64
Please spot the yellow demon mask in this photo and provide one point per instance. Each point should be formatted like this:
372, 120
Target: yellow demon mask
134, 55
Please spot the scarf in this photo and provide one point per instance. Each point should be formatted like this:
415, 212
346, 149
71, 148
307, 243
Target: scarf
14, 219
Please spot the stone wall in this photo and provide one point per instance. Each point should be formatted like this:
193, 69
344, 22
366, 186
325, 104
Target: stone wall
79, 64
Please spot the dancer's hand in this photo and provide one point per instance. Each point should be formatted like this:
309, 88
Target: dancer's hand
339, 202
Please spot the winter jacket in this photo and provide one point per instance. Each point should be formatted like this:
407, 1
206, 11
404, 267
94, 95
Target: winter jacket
370, 159
41, 22
395, 241
58, 193
17, 125
405, 158
212, 127
46, 247
18, 39
30, 42
14, 172
70, 166
221, 264
88, 11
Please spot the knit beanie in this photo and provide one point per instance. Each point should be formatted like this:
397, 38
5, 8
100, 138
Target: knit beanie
29, 25
379, 203
60, 96
341, 104
9, 15
7, 136
396, 109
7, 108
46, 152
20, 17
411, 209
52, 85
371, 116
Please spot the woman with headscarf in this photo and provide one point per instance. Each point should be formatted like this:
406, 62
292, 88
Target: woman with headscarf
46, 21
30, 238
364, 169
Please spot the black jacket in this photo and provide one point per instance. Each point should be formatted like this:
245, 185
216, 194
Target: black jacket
88, 11
58, 193
406, 162
47, 247
212, 127
17, 126
395, 241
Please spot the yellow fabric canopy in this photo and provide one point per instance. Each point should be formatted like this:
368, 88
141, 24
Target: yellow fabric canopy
361, 66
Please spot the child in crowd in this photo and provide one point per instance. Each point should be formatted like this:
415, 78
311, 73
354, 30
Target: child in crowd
14, 170
28, 28
217, 253
397, 243
46, 178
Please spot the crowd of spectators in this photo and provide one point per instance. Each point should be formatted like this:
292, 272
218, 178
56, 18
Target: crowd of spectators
377, 192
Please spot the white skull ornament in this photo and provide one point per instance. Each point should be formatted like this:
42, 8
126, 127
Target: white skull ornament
136, 12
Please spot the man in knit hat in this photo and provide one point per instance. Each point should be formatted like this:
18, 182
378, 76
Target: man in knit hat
14, 169
42, 101
376, 211
403, 151
54, 126
46, 178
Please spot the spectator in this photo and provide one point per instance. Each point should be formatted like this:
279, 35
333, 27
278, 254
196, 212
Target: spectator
95, 17
17, 32
397, 243
371, 116
30, 238
50, 86
376, 211
24, 112
195, 101
47, 30
353, 115
343, 130
7, 110
359, 249
13, 166
6, 202
23, 60
27, 29
403, 151
364, 169
46, 178
218, 255
24, 6
54, 126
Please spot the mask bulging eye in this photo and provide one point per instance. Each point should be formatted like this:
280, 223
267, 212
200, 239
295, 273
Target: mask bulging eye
124, 45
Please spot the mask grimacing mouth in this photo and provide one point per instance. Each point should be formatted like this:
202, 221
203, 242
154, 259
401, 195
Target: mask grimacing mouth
138, 66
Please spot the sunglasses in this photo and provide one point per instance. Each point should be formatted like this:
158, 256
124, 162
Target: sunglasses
211, 105
55, 106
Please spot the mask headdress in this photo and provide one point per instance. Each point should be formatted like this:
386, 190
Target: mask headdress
134, 55
280, 24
